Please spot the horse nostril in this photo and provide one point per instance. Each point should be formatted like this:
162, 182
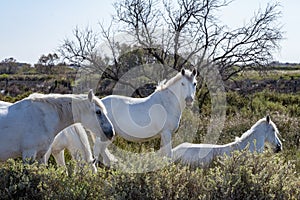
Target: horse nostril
278, 149
189, 100
110, 134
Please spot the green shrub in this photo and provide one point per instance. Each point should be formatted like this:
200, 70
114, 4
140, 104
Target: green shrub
242, 176
253, 176
18, 181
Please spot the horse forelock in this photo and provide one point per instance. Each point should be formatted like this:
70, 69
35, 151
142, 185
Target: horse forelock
100, 104
165, 84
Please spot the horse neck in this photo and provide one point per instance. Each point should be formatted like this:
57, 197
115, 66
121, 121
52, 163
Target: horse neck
69, 115
233, 146
168, 99
174, 92
252, 140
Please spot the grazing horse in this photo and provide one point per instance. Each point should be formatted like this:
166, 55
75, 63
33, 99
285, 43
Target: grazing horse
75, 139
28, 127
158, 115
202, 154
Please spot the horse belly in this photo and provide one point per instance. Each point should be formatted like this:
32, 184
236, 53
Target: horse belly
135, 136
142, 129
9, 147
39, 143
136, 124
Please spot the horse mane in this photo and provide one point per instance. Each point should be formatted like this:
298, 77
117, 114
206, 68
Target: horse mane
165, 84
56, 99
61, 102
253, 129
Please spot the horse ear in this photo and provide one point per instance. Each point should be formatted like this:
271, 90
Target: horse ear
91, 95
268, 119
182, 71
195, 72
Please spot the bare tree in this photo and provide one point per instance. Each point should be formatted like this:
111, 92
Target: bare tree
83, 51
176, 34
81, 48
189, 29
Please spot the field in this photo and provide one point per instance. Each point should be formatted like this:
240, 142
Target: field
242, 176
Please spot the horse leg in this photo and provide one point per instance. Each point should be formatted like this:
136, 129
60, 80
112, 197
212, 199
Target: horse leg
166, 145
28, 156
108, 157
93, 166
97, 148
100, 148
140, 147
43, 160
59, 158
46, 157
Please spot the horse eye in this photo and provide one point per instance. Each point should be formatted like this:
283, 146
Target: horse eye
98, 112
195, 84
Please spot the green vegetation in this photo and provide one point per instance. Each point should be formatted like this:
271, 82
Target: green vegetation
242, 176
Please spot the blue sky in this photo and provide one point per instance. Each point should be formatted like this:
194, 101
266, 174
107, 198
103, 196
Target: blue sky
30, 28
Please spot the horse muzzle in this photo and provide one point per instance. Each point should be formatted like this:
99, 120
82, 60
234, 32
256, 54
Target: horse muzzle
278, 148
110, 134
189, 101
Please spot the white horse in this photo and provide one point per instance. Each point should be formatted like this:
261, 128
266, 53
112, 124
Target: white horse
158, 115
203, 154
28, 127
75, 140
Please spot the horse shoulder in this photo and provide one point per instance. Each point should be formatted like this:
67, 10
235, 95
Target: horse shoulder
171, 106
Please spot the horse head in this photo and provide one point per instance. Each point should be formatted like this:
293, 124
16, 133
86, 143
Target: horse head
188, 85
272, 135
99, 117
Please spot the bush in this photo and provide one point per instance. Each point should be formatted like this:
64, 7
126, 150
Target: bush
253, 176
244, 175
